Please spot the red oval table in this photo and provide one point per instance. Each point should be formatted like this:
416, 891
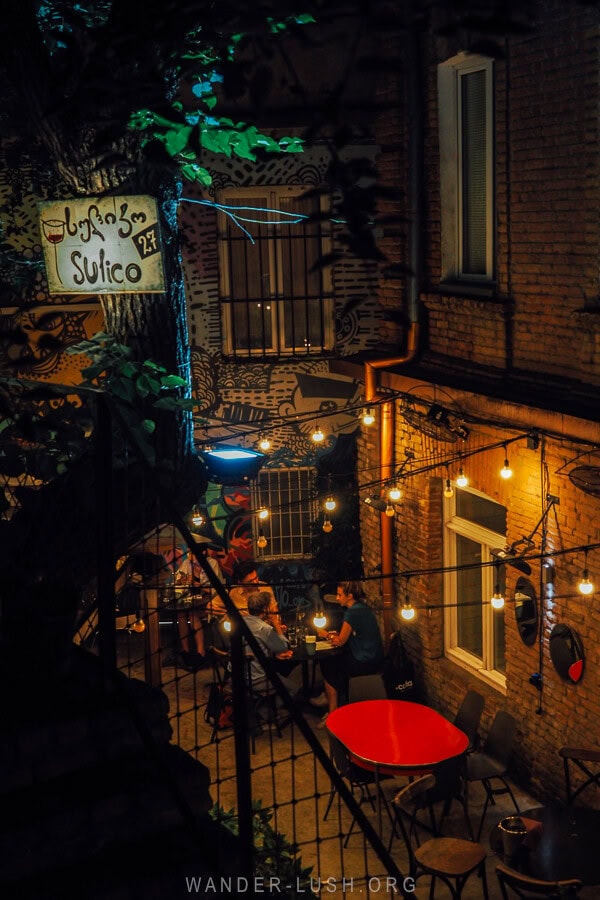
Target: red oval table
395, 737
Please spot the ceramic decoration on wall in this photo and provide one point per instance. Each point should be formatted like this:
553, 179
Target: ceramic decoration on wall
566, 653
526, 611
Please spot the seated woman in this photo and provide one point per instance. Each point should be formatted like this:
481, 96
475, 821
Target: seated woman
361, 639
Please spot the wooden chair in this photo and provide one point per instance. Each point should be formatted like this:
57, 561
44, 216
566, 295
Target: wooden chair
491, 763
468, 717
578, 757
525, 887
450, 859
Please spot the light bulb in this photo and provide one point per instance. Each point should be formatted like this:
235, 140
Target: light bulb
317, 436
226, 625
264, 443
407, 612
389, 510
585, 586
368, 416
262, 541
448, 490
506, 471
497, 599
197, 517
330, 504
139, 625
263, 514
462, 480
395, 493
327, 525
320, 620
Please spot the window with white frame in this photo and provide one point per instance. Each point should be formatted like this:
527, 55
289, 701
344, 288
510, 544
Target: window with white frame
288, 494
275, 297
473, 629
466, 138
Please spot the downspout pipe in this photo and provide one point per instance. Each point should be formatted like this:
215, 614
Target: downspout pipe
414, 101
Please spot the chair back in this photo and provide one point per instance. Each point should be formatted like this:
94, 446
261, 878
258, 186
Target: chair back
346, 768
526, 887
501, 738
366, 687
587, 760
468, 716
410, 800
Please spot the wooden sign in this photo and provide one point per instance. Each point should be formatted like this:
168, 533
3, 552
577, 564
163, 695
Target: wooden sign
102, 245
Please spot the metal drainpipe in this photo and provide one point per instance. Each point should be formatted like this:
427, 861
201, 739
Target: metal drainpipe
387, 423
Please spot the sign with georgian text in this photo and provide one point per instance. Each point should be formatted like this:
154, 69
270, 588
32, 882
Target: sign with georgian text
102, 245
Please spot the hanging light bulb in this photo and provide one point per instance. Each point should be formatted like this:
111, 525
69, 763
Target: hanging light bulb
585, 586
327, 525
262, 541
389, 510
263, 514
330, 504
448, 490
395, 493
317, 436
368, 416
264, 443
320, 619
497, 599
408, 611
139, 626
197, 517
506, 471
226, 625
461, 480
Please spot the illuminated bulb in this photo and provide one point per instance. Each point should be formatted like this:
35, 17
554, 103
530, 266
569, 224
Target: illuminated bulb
197, 517
506, 471
139, 625
263, 514
317, 435
262, 541
389, 510
462, 480
497, 600
226, 625
395, 493
448, 490
330, 504
368, 416
264, 443
407, 612
585, 586
320, 620
327, 525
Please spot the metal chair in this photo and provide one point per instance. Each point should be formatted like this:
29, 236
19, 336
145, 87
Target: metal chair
525, 887
452, 860
366, 687
357, 777
578, 757
491, 763
468, 717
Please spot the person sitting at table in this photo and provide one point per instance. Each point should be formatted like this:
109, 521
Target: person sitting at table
361, 639
258, 604
245, 582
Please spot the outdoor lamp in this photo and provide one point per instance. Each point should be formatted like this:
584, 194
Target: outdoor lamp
585, 586
231, 465
368, 416
320, 620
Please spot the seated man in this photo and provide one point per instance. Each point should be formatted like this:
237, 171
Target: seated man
273, 643
361, 638
245, 582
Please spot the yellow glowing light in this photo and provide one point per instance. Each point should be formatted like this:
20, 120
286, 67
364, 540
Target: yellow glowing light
330, 504
368, 416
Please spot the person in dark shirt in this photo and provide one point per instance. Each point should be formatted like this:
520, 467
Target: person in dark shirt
361, 639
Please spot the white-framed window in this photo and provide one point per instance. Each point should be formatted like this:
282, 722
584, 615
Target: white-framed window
289, 495
275, 297
473, 630
466, 138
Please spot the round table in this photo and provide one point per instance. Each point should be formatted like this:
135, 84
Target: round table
564, 846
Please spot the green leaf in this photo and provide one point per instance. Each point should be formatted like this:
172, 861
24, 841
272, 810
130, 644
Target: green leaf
194, 172
177, 138
149, 426
172, 381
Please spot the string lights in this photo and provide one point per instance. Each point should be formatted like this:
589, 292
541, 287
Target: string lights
585, 585
506, 471
368, 417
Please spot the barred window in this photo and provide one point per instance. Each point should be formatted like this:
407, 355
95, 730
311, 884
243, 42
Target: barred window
275, 298
288, 494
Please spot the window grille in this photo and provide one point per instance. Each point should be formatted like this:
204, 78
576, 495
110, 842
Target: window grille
288, 494
275, 298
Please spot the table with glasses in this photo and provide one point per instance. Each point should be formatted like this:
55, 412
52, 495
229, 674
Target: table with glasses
395, 737
561, 843
300, 654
